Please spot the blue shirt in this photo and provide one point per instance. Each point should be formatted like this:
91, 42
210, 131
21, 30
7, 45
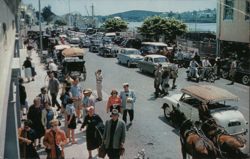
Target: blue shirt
75, 91
70, 109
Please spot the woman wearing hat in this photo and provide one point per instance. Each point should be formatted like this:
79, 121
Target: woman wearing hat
87, 101
92, 121
114, 101
54, 141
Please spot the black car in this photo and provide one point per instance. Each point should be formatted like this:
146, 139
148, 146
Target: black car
94, 45
243, 72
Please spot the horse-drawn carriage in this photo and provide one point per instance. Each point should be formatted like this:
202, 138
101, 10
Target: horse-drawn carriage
72, 63
206, 112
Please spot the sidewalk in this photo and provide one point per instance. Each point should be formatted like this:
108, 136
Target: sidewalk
75, 151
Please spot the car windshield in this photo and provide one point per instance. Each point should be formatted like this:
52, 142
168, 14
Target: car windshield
132, 52
160, 60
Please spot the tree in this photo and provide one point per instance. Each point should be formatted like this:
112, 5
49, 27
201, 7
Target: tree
60, 22
47, 14
115, 25
155, 27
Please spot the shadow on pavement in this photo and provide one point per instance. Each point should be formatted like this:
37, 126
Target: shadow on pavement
174, 130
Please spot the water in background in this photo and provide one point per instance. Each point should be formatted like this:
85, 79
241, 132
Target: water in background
211, 27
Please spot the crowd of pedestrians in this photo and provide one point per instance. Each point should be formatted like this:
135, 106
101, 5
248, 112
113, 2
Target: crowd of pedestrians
45, 117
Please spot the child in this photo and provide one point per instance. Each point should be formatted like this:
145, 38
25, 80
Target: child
71, 120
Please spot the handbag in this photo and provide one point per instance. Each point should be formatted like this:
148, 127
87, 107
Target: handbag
102, 151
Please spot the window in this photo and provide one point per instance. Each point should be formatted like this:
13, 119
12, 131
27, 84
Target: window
228, 10
247, 17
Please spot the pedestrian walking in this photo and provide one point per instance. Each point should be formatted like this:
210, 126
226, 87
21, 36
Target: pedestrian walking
27, 69
76, 92
54, 141
54, 89
44, 97
218, 67
114, 135
174, 74
47, 115
22, 97
35, 115
26, 137
158, 80
29, 49
93, 136
88, 100
99, 79
65, 96
71, 120
53, 67
232, 71
128, 99
114, 102
165, 80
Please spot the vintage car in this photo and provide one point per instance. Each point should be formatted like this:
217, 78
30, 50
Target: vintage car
159, 48
243, 72
129, 56
216, 99
150, 62
94, 45
108, 50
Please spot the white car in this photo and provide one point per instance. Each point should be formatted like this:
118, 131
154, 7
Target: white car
129, 56
216, 99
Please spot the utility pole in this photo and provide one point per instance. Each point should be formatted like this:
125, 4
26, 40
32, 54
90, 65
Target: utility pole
40, 27
92, 16
69, 13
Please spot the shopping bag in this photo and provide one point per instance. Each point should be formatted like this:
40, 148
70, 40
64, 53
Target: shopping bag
102, 151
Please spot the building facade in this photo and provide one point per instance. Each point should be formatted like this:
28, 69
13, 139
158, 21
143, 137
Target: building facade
8, 124
233, 27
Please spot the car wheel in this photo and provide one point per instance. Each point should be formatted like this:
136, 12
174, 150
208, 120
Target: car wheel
119, 61
167, 111
245, 79
129, 64
224, 74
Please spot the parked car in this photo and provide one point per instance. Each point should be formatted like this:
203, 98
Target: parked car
216, 99
84, 43
150, 62
94, 45
108, 50
159, 48
131, 43
74, 42
243, 72
129, 56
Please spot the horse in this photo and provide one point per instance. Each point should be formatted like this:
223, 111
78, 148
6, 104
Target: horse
199, 147
229, 146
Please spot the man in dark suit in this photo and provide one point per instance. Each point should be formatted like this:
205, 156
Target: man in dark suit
114, 135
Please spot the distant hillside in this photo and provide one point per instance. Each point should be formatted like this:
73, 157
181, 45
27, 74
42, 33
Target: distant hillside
135, 15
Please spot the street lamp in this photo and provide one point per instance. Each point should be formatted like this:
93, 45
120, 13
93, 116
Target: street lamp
69, 12
40, 27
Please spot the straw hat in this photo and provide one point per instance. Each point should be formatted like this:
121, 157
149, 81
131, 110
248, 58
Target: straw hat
86, 91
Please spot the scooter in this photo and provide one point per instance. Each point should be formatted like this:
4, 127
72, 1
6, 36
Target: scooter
193, 74
209, 74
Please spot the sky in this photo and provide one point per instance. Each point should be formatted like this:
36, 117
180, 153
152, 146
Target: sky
107, 7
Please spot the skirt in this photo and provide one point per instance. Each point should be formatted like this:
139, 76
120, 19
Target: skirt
72, 124
28, 72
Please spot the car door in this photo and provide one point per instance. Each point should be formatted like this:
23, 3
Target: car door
148, 64
185, 106
151, 66
121, 56
143, 64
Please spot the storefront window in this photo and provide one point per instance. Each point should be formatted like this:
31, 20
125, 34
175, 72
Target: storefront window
228, 9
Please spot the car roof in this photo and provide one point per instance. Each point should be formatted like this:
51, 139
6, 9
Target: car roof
155, 56
154, 43
130, 49
209, 93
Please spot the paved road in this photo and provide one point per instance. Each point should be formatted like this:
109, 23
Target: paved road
150, 130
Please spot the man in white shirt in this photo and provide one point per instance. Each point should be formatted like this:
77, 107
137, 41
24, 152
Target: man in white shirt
205, 65
53, 67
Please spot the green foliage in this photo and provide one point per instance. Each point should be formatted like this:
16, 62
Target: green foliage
155, 27
115, 25
47, 14
60, 22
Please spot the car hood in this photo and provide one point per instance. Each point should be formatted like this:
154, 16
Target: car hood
135, 56
166, 65
229, 119
174, 99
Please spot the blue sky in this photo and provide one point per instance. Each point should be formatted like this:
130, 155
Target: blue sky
106, 7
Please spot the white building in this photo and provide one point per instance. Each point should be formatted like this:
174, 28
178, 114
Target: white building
233, 27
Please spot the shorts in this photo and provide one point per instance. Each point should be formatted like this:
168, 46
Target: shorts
77, 104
